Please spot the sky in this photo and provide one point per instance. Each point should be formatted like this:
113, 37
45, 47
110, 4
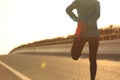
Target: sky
26, 21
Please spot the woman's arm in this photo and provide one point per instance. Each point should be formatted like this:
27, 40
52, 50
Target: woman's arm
70, 9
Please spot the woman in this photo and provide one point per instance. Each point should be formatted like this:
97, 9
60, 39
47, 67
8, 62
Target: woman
88, 12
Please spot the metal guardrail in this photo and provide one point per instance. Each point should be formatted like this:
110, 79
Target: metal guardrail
105, 47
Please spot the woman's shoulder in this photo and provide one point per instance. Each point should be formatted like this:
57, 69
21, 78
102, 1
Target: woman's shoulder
85, 4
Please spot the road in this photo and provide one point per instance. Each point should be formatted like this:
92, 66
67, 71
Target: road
48, 67
54, 63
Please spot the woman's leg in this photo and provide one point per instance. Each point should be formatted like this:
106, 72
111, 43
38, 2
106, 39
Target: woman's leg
93, 47
77, 47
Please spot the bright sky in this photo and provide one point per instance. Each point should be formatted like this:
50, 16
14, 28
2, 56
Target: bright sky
24, 21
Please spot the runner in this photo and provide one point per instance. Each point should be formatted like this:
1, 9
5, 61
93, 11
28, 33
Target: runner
88, 12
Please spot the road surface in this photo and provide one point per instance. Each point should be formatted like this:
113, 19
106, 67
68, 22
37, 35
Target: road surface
49, 67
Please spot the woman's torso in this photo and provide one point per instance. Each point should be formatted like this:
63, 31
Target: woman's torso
86, 11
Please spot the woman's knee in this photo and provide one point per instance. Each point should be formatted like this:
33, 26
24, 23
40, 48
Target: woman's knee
75, 54
75, 57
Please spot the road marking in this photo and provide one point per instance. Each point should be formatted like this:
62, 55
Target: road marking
20, 75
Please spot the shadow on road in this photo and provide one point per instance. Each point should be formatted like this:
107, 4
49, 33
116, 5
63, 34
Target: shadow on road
113, 57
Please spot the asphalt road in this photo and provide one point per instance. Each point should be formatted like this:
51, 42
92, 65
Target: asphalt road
49, 67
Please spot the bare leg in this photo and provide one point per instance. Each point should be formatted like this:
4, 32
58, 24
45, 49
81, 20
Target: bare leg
77, 48
93, 47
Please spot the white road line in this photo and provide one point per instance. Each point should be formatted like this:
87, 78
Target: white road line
20, 75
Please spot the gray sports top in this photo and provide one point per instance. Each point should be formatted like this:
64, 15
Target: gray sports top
88, 11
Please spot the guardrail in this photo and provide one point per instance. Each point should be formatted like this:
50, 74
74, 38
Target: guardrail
105, 47
110, 36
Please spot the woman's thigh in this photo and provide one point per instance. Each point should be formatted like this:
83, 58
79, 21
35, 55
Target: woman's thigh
77, 47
